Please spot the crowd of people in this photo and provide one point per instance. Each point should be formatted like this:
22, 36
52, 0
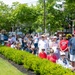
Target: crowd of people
56, 49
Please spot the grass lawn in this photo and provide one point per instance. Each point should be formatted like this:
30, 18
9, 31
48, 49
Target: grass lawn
7, 69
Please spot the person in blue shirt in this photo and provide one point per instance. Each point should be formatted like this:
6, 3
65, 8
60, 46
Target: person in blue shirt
71, 45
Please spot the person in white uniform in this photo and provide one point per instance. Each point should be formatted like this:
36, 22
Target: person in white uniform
42, 43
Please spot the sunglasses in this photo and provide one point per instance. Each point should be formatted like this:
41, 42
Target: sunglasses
51, 52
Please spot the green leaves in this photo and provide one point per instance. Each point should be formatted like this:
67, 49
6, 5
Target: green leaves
31, 18
31, 62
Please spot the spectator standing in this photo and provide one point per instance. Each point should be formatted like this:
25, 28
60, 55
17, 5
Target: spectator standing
36, 39
72, 50
42, 43
54, 46
63, 45
2, 38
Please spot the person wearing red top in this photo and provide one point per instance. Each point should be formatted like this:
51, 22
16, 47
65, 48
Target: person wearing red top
52, 57
63, 45
42, 54
8, 44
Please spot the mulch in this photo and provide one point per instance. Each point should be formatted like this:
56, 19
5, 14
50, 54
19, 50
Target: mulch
19, 67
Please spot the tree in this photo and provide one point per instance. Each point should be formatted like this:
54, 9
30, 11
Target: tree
4, 14
52, 16
24, 17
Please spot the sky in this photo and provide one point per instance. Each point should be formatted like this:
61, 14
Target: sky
9, 2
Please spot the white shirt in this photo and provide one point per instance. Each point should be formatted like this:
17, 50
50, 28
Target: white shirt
13, 39
20, 40
47, 43
50, 43
12, 46
2, 37
35, 39
42, 44
54, 46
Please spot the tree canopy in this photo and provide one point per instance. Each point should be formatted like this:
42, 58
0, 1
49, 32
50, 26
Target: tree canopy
31, 18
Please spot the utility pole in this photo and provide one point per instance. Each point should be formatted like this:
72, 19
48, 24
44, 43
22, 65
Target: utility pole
44, 17
49, 29
73, 26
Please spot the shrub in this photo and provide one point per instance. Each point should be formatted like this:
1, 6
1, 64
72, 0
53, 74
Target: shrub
39, 66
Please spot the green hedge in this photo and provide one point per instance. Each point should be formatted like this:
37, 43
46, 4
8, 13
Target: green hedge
39, 66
